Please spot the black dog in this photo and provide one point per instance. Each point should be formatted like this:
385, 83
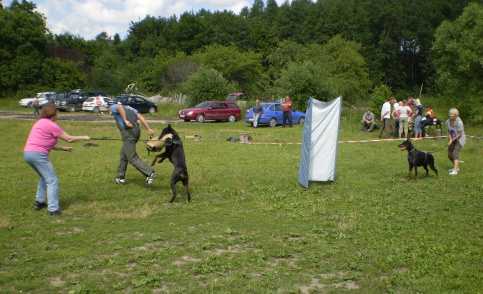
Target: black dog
417, 158
175, 153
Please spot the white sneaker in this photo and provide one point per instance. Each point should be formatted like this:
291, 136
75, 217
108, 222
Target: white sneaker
450, 170
150, 179
453, 173
119, 181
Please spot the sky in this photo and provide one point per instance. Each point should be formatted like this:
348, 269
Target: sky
89, 18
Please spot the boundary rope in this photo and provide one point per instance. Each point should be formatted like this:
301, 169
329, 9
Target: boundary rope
354, 141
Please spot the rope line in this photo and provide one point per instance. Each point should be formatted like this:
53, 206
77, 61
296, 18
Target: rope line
355, 141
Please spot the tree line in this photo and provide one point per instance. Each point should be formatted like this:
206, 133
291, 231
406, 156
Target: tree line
320, 49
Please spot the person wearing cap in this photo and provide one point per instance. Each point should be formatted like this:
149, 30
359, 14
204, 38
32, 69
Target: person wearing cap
126, 119
368, 123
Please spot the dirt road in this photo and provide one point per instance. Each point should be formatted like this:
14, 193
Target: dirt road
78, 116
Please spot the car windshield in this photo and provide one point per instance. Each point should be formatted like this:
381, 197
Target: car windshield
90, 99
202, 105
264, 105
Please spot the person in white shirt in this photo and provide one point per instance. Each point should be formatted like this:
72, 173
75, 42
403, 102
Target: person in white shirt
386, 118
404, 114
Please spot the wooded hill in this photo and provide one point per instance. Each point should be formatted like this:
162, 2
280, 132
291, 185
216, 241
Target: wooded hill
319, 49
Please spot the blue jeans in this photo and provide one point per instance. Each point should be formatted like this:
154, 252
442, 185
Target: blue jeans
256, 117
48, 183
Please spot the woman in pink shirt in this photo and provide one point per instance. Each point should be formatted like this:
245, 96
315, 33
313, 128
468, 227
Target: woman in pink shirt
42, 139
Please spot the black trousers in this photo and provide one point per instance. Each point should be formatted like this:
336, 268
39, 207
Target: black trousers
287, 115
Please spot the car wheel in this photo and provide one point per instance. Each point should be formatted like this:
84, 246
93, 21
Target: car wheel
95, 109
29, 104
186, 120
273, 122
232, 118
301, 120
152, 110
200, 118
71, 108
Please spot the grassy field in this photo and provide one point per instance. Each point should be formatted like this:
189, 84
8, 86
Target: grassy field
250, 228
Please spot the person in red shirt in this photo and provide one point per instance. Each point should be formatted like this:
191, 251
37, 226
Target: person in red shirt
287, 111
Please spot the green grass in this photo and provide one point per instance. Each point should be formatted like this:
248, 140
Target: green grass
250, 228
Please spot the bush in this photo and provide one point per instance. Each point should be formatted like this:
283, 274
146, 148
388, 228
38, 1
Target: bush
378, 98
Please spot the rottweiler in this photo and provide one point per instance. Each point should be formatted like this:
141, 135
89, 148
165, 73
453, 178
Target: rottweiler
174, 151
417, 158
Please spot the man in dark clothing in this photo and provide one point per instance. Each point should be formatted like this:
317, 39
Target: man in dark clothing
126, 120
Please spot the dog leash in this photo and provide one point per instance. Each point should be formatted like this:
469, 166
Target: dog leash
439, 149
109, 139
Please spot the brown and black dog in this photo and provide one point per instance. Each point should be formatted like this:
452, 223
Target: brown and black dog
174, 151
417, 158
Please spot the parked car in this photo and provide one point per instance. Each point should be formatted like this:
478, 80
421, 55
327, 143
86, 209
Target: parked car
96, 104
75, 100
58, 96
42, 96
137, 102
211, 110
273, 114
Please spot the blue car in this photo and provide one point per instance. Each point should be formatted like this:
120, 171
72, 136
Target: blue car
273, 114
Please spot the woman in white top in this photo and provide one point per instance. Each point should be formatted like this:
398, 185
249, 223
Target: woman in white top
404, 114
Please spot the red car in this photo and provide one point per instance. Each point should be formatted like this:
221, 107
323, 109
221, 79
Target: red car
212, 110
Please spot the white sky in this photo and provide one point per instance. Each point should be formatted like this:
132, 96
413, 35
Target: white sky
88, 18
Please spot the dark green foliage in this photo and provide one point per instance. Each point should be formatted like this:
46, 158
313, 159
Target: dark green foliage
364, 43
457, 57
378, 98
206, 84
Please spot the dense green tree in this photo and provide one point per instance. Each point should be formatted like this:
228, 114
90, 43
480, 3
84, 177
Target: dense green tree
23, 46
225, 28
347, 66
304, 80
206, 84
167, 72
378, 98
61, 76
458, 59
147, 37
244, 68
187, 34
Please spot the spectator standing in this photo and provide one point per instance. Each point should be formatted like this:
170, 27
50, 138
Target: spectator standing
41, 140
404, 114
257, 111
126, 119
287, 111
418, 116
36, 104
386, 118
457, 139
395, 116
368, 122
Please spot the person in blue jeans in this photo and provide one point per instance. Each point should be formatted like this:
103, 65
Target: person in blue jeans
41, 140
